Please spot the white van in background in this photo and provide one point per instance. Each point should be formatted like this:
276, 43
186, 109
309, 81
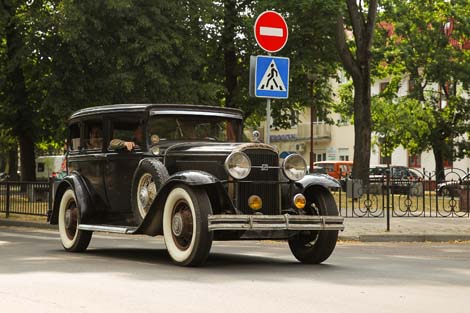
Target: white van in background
49, 166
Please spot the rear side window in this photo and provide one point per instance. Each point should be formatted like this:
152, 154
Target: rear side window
93, 134
74, 135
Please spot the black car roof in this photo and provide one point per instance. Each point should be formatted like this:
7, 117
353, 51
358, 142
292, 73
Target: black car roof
105, 109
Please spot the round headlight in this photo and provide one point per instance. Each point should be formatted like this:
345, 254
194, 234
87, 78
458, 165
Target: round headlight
238, 165
294, 167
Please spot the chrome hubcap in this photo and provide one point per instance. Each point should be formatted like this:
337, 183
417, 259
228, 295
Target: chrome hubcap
177, 225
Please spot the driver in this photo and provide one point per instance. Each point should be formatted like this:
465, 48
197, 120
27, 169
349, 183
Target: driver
118, 144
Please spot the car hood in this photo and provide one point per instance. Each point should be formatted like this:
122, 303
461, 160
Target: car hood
215, 148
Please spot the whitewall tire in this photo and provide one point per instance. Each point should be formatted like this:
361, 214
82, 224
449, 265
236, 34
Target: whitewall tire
73, 239
185, 226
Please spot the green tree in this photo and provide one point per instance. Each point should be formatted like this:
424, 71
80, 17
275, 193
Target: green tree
22, 69
425, 41
356, 58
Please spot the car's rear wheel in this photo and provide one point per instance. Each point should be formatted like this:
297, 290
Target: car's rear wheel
185, 225
148, 180
314, 247
73, 239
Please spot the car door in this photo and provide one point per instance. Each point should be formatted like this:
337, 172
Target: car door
88, 161
121, 163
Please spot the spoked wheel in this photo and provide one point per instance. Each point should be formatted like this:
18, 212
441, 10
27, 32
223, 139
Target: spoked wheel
148, 179
185, 226
73, 239
146, 193
314, 247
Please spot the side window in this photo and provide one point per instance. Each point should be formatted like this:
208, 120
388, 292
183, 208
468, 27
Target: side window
126, 130
93, 135
74, 135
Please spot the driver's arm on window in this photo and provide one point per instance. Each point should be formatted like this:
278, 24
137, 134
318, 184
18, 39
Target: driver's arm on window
118, 144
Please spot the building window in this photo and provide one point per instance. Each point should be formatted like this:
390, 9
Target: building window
343, 154
383, 86
318, 157
414, 160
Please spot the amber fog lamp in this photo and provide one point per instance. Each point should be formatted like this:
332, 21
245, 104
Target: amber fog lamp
255, 202
300, 201
238, 165
294, 167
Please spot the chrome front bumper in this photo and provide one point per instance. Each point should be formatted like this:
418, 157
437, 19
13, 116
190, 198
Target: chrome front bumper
275, 222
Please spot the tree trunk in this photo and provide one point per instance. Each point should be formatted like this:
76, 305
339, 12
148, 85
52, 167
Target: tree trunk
437, 149
230, 55
27, 158
362, 128
21, 111
358, 66
13, 163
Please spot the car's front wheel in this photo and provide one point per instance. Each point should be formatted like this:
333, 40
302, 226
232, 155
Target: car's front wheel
314, 247
185, 225
73, 239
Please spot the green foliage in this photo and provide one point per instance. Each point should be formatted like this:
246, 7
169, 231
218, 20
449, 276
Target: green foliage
414, 41
400, 122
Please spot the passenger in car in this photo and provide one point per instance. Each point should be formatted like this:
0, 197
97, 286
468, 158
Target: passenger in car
118, 144
95, 138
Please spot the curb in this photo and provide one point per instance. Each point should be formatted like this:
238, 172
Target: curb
406, 238
360, 238
16, 223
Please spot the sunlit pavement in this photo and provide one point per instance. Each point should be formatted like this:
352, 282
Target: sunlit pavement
135, 274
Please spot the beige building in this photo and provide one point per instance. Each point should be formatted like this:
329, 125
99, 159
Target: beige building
332, 142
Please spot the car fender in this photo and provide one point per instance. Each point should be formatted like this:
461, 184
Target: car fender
82, 196
152, 223
321, 180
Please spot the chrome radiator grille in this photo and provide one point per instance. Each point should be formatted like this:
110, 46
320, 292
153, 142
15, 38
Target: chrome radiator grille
261, 182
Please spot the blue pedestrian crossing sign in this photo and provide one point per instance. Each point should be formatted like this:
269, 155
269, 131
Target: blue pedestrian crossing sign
271, 77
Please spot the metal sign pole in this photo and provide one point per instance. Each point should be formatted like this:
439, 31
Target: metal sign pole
268, 119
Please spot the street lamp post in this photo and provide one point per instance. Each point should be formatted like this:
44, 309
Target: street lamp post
312, 78
312, 116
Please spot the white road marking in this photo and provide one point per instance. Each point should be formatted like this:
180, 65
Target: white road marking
271, 31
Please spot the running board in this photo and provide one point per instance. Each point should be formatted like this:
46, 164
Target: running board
108, 228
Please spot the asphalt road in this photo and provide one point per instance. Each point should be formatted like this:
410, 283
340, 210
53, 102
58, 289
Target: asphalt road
135, 274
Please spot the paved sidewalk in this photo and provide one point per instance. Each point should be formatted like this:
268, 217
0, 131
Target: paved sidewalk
404, 229
407, 229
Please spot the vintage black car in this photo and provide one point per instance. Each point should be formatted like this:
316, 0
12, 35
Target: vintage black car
181, 171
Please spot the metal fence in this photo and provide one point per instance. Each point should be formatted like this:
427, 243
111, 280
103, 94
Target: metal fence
31, 198
422, 195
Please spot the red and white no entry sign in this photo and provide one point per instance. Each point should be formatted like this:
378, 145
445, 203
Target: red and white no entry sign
271, 31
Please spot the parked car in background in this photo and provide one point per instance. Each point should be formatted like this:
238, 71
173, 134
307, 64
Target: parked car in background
181, 171
403, 180
318, 170
50, 166
452, 188
336, 169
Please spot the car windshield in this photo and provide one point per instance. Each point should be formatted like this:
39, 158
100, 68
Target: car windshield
194, 128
